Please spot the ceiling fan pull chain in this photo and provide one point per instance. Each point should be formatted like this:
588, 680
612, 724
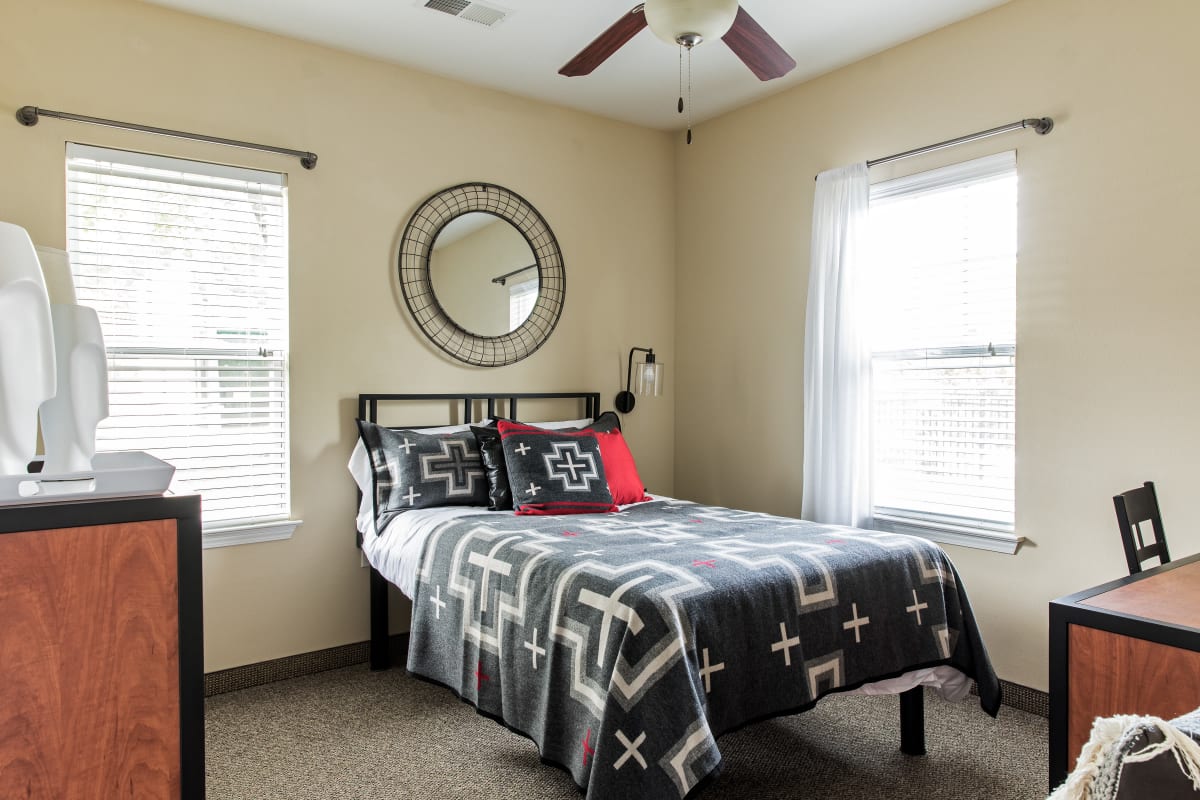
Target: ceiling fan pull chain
689, 102
681, 79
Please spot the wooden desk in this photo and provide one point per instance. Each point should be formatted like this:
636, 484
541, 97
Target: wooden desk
1131, 646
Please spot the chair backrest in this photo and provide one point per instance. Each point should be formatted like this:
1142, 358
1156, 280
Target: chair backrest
1135, 508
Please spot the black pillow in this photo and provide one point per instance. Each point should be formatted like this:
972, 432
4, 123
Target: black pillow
554, 471
492, 455
606, 422
411, 470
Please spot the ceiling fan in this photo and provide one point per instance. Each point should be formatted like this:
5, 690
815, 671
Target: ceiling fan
687, 23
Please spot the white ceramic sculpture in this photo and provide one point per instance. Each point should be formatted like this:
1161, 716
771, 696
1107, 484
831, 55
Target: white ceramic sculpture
56, 272
27, 374
69, 419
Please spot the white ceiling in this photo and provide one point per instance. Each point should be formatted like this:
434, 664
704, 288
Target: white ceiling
639, 84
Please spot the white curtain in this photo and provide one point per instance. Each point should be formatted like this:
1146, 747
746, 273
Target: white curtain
837, 367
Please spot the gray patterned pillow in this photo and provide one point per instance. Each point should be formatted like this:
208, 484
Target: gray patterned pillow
554, 472
411, 470
490, 449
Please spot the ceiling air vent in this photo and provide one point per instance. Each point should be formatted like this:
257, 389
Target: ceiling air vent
451, 7
469, 10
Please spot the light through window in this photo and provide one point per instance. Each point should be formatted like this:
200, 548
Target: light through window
186, 264
521, 299
941, 276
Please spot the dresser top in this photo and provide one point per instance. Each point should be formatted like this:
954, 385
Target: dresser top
79, 513
1171, 596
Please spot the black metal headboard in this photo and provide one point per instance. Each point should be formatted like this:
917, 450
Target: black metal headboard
368, 404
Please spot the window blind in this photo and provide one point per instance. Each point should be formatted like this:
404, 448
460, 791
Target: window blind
186, 264
942, 275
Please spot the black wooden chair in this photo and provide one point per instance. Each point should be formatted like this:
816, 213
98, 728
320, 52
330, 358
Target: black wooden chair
1134, 509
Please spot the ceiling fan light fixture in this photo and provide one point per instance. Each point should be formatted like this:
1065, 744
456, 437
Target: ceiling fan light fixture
690, 21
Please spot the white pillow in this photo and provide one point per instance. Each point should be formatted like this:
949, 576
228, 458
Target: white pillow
560, 424
360, 468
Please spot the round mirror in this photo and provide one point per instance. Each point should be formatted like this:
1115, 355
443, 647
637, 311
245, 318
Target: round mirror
482, 274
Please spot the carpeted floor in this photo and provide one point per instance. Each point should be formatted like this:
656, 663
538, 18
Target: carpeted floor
351, 734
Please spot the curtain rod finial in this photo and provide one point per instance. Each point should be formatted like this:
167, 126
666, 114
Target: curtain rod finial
1040, 126
27, 116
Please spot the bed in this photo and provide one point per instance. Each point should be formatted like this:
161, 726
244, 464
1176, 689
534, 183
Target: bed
625, 642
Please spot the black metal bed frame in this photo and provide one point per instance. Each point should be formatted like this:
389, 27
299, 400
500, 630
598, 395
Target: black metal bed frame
912, 702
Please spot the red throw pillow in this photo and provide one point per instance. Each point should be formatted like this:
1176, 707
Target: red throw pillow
623, 479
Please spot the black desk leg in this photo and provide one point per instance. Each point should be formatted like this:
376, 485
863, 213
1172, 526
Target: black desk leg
912, 722
1058, 695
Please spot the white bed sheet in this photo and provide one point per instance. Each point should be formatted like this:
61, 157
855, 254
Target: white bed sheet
396, 551
396, 554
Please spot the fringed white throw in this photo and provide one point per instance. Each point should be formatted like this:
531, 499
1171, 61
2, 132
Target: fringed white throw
1098, 773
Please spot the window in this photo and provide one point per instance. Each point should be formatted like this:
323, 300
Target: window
186, 264
521, 299
942, 280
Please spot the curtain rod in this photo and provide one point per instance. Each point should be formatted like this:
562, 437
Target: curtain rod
28, 116
1040, 126
501, 279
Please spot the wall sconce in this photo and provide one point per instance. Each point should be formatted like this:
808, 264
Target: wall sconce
647, 380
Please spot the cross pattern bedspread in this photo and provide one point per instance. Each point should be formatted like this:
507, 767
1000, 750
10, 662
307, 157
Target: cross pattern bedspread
624, 644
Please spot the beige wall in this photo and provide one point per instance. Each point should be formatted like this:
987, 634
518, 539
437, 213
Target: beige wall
1108, 380
387, 138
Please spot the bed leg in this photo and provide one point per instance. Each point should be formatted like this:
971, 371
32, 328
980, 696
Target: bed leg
912, 722
380, 656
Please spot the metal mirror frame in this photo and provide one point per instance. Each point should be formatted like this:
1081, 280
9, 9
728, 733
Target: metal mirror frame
416, 245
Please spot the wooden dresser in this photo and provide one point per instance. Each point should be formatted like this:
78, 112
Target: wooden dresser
1131, 646
101, 650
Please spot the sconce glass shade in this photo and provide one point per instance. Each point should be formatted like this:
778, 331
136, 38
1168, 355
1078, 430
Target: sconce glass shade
671, 19
647, 378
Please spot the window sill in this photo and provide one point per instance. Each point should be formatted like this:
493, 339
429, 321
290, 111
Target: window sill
249, 533
978, 538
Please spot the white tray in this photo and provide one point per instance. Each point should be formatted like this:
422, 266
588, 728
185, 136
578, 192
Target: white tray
127, 474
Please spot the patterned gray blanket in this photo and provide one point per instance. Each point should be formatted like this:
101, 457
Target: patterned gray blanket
625, 644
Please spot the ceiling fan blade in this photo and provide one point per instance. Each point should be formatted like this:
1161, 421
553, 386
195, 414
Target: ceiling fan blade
606, 44
755, 47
